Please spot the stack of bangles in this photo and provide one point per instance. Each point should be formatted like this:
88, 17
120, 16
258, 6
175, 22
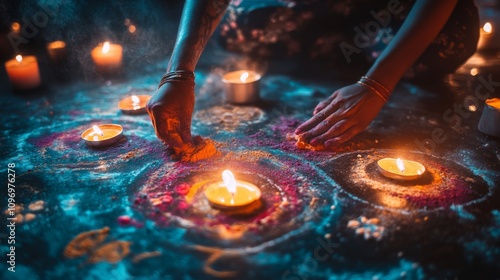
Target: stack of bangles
376, 87
177, 76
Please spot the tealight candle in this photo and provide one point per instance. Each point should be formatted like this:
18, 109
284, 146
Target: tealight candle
231, 193
485, 36
241, 86
135, 104
57, 51
23, 72
102, 135
399, 169
490, 118
107, 57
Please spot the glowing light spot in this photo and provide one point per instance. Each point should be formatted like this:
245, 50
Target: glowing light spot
244, 77
135, 99
400, 164
474, 71
488, 28
126, 22
97, 130
472, 108
229, 181
132, 28
19, 58
105, 47
15, 27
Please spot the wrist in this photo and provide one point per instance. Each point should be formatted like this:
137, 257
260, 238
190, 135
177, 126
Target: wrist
177, 76
375, 87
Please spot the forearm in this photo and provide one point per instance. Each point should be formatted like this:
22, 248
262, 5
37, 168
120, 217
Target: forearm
198, 22
422, 25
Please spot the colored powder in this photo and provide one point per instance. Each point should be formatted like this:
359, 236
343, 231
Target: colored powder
112, 252
85, 242
203, 149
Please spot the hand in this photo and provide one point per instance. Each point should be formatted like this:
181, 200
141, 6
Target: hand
341, 116
171, 109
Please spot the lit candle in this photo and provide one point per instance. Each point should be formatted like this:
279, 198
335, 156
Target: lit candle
15, 27
135, 104
490, 118
57, 50
241, 86
107, 57
231, 193
485, 36
399, 169
102, 135
23, 72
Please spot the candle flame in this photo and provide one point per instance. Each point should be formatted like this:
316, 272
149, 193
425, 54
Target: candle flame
105, 47
244, 77
135, 100
400, 165
15, 27
97, 130
229, 181
488, 28
19, 58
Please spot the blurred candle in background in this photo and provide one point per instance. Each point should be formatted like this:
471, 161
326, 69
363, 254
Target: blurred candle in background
107, 57
23, 72
57, 51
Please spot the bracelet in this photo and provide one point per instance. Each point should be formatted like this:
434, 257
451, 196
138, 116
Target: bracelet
176, 76
377, 83
374, 90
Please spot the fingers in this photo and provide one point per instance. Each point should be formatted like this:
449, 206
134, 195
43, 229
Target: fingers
316, 119
322, 105
348, 134
333, 131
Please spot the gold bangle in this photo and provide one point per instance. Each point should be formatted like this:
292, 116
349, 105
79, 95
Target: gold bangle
373, 89
379, 84
382, 90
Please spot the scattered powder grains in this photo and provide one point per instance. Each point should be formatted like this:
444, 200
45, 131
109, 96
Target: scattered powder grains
37, 205
368, 228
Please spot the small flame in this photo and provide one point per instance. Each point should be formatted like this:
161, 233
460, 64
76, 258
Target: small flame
229, 181
400, 165
19, 58
15, 27
487, 27
244, 77
97, 130
105, 47
135, 99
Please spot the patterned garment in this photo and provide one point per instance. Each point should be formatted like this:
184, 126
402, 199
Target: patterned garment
348, 30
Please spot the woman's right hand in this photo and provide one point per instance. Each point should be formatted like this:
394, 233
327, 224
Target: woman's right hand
171, 109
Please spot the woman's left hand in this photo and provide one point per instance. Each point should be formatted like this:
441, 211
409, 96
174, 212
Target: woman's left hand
347, 112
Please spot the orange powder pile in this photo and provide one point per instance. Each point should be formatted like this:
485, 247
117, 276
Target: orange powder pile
301, 144
202, 149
